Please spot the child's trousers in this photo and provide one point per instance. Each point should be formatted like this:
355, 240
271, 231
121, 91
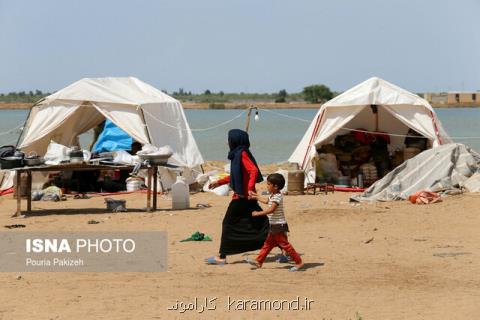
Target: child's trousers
278, 239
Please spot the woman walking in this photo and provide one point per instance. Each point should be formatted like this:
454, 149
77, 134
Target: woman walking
241, 232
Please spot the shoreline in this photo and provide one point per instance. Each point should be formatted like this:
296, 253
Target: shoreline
242, 105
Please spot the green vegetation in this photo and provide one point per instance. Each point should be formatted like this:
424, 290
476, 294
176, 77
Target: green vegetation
312, 94
23, 97
317, 93
282, 96
211, 97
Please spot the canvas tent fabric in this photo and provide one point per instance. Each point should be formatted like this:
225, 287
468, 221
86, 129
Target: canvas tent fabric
398, 111
132, 105
443, 168
112, 138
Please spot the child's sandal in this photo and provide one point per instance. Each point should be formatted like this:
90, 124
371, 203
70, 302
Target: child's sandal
253, 263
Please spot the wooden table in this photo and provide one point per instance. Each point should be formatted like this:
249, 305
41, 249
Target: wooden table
151, 169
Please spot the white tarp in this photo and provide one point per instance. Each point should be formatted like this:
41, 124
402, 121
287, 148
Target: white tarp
398, 110
144, 112
443, 168
473, 183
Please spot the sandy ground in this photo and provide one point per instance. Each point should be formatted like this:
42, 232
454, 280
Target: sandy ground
369, 261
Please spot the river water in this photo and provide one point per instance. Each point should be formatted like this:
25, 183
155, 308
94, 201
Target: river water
273, 137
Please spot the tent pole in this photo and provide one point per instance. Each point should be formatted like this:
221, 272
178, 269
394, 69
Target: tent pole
145, 124
26, 120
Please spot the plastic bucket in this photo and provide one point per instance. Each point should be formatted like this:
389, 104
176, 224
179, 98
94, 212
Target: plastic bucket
134, 184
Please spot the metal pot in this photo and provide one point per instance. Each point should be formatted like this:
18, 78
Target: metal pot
155, 159
11, 162
33, 161
76, 155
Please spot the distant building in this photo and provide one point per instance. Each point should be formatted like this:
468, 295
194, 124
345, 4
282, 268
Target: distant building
453, 98
436, 98
463, 97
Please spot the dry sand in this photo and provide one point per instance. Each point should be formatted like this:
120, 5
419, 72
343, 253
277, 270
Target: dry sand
390, 260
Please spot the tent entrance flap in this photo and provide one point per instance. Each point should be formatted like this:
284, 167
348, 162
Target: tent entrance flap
126, 118
334, 119
381, 121
76, 120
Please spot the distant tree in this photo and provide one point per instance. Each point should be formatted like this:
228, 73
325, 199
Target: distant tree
38, 92
181, 91
317, 93
221, 93
281, 96
207, 92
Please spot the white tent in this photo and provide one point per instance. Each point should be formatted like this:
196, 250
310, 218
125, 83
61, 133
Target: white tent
144, 112
397, 111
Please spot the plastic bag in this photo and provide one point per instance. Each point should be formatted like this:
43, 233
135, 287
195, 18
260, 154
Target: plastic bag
56, 153
328, 165
152, 150
122, 156
219, 191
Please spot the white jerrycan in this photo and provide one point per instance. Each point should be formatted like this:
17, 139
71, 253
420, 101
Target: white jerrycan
180, 194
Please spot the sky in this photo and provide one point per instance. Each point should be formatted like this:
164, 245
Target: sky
241, 45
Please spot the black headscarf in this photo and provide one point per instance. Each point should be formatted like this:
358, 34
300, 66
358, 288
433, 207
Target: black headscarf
238, 142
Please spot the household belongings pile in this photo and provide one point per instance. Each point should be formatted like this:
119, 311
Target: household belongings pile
449, 168
360, 158
385, 114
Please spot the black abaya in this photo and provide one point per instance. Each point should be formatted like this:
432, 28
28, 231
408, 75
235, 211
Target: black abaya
240, 231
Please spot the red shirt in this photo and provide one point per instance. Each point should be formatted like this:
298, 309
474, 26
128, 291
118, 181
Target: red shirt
249, 176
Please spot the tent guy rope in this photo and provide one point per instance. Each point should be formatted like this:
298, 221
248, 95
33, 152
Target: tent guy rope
200, 129
359, 130
11, 130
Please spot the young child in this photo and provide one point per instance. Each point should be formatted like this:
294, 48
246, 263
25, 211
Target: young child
277, 235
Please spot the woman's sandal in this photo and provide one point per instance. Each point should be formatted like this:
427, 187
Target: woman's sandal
213, 260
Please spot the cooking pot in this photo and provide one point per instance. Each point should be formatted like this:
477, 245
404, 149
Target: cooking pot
32, 159
19, 154
76, 155
11, 162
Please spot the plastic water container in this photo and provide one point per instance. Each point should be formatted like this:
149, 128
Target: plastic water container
180, 194
134, 184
